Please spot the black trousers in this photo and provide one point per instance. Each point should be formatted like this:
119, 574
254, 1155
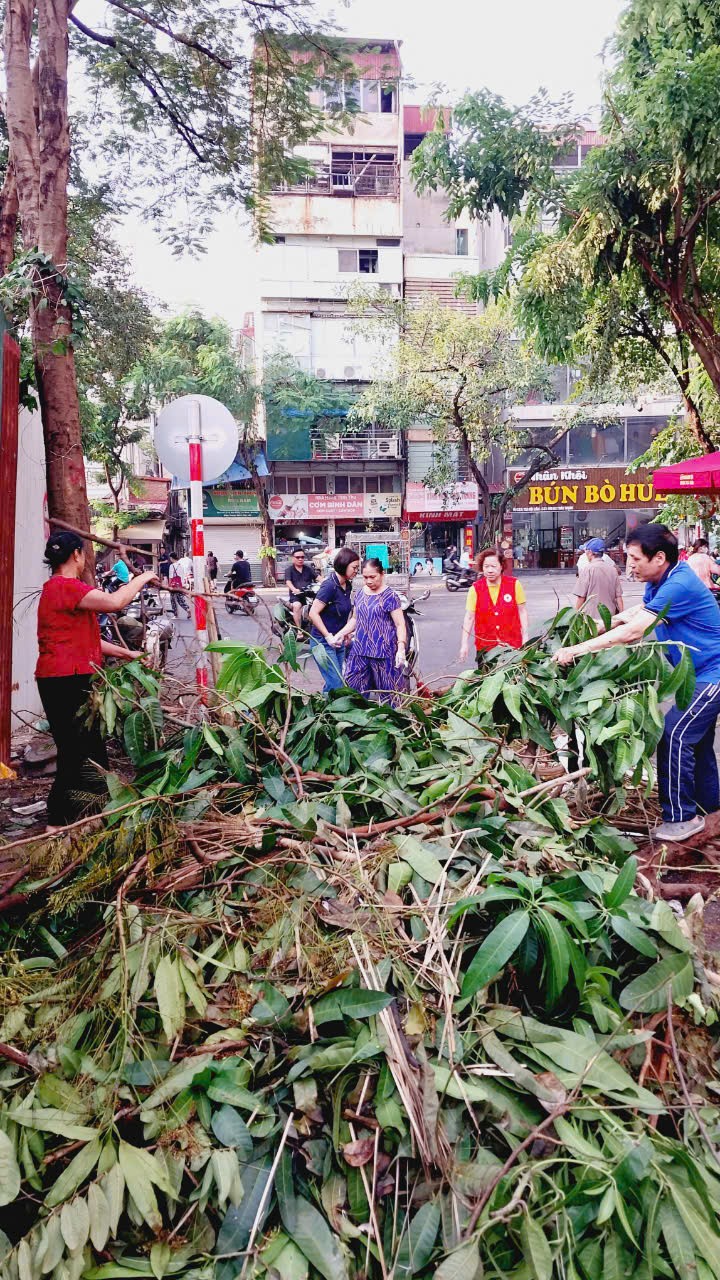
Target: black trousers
65, 701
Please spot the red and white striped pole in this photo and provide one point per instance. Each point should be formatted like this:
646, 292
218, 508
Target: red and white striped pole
197, 534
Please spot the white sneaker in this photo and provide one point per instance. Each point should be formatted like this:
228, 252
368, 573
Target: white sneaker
678, 831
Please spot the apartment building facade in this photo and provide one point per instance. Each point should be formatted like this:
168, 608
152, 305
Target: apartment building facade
338, 228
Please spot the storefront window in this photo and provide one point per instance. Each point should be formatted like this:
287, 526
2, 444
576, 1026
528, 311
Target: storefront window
341, 484
597, 443
357, 484
320, 484
385, 484
640, 434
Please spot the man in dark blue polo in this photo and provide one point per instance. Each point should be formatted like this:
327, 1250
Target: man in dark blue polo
687, 768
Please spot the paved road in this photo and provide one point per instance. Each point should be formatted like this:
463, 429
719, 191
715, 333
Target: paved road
440, 622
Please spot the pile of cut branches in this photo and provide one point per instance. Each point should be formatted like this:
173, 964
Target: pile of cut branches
345, 990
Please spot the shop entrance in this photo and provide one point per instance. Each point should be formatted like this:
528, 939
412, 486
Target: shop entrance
551, 539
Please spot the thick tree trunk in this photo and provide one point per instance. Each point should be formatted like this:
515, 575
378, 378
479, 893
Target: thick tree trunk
8, 217
37, 120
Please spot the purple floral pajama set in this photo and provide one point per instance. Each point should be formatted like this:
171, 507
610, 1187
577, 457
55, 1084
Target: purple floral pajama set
371, 664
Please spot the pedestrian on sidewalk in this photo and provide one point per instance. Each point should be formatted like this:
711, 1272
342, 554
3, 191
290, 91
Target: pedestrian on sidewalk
70, 652
330, 618
495, 609
377, 656
598, 582
688, 783
211, 565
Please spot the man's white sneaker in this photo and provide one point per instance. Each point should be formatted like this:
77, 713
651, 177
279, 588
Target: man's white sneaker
678, 831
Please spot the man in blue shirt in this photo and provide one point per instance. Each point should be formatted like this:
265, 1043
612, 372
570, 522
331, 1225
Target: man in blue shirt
686, 764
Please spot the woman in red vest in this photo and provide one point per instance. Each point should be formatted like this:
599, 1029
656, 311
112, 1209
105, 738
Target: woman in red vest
495, 609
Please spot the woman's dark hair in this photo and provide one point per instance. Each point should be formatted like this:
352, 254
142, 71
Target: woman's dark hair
652, 538
701, 542
374, 562
344, 558
60, 547
482, 556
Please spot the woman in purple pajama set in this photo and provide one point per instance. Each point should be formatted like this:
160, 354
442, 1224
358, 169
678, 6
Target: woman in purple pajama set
377, 654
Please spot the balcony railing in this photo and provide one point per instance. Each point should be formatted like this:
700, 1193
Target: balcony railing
374, 448
357, 179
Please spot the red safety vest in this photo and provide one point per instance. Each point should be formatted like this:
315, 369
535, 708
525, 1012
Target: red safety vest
497, 623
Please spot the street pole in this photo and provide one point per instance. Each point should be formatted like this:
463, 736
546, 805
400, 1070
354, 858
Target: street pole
197, 534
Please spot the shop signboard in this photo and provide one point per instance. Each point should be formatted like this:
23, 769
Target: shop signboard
586, 488
230, 503
334, 506
458, 502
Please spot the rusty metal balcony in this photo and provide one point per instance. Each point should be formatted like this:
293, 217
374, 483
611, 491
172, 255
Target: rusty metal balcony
347, 179
333, 447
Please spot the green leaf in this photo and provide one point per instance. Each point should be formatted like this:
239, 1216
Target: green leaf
50, 1120
234, 1233
634, 936
511, 698
170, 995
418, 1242
10, 1179
648, 993
678, 1241
74, 1174
139, 1184
135, 736
537, 1251
623, 885
557, 959
495, 951
230, 1129
307, 1227
461, 1264
423, 862
362, 1003
707, 1238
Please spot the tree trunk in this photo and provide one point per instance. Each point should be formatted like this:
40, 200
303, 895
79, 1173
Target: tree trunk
37, 121
695, 424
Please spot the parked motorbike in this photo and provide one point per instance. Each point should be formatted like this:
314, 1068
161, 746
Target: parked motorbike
412, 649
283, 620
456, 577
142, 625
242, 600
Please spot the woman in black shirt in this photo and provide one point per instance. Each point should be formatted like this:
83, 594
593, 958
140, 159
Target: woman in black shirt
330, 615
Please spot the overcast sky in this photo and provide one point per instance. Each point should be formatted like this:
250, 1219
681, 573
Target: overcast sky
513, 48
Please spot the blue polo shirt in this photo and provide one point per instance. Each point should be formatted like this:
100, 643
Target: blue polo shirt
337, 601
692, 618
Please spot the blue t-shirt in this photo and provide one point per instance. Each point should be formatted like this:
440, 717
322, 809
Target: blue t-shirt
121, 571
337, 601
692, 618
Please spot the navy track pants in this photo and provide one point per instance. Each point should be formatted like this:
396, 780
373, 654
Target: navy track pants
686, 763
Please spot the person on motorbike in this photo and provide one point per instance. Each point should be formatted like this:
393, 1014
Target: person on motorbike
330, 616
70, 651
495, 609
240, 574
299, 578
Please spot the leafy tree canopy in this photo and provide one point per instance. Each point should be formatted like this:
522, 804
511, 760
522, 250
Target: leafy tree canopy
642, 210
460, 375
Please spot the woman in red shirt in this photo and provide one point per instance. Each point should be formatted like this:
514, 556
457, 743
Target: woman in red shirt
71, 650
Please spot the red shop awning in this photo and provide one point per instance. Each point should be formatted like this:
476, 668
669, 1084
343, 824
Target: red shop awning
697, 475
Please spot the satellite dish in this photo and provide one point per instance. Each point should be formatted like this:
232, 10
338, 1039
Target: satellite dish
196, 417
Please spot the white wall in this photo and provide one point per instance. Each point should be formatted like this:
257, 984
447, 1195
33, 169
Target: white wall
334, 215
31, 534
308, 268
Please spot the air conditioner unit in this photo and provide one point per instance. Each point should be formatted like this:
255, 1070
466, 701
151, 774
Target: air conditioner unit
385, 448
320, 373
349, 371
